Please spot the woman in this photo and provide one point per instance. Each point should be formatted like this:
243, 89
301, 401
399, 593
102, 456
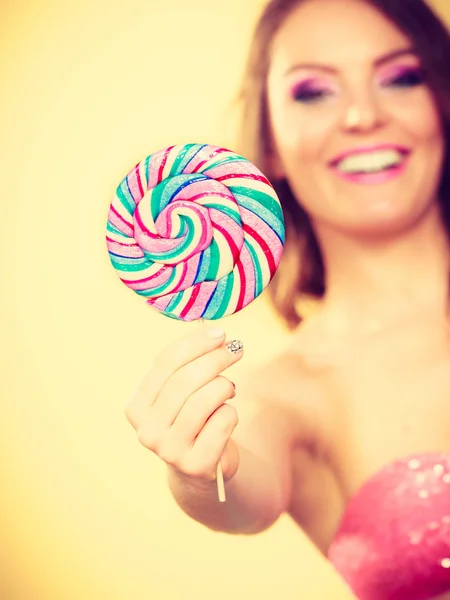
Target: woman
346, 110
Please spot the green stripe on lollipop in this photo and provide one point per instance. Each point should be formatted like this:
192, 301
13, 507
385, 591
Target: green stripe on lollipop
214, 263
226, 282
113, 229
226, 210
174, 302
129, 265
223, 161
264, 199
176, 167
126, 201
259, 285
158, 291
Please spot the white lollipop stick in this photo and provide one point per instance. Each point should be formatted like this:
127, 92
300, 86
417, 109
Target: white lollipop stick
219, 472
220, 483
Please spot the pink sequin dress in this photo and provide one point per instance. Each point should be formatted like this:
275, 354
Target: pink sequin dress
393, 542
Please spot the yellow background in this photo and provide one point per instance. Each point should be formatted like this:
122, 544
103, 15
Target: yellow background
88, 88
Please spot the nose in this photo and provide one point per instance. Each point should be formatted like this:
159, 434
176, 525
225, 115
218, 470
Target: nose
363, 115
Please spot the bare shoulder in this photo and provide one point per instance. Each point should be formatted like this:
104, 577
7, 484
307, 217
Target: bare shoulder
287, 418
281, 401
280, 420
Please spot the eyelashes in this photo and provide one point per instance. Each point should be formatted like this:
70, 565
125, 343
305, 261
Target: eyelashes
308, 92
405, 78
312, 92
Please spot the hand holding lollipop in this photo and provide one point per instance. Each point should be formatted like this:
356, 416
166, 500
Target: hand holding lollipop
199, 232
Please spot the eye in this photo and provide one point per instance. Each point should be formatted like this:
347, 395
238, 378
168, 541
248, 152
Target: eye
407, 78
309, 94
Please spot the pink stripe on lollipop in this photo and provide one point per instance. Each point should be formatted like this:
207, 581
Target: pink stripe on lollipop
204, 187
159, 278
189, 273
163, 163
139, 224
194, 166
134, 184
182, 279
243, 176
200, 295
149, 241
119, 222
264, 236
126, 250
230, 241
153, 169
215, 195
160, 302
139, 180
164, 222
240, 167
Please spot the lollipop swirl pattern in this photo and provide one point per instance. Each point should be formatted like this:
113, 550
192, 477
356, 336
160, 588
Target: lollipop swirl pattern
197, 230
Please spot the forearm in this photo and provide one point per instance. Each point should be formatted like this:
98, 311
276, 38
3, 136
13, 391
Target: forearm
254, 500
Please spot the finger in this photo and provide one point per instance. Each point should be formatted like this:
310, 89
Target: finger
183, 351
173, 443
198, 408
212, 439
191, 378
173, 357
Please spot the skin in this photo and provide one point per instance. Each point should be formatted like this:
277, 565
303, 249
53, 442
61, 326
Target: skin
373, 362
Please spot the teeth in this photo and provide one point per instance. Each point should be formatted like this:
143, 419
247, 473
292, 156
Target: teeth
370, 162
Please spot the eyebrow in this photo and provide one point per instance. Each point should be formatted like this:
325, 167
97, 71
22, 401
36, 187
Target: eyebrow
378, 62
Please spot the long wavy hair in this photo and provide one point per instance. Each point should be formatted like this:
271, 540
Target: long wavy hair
301, 272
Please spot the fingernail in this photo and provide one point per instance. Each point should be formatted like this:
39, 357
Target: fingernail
235, 346
215, 333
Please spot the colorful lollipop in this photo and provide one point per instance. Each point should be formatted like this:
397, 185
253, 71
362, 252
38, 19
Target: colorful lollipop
198, 231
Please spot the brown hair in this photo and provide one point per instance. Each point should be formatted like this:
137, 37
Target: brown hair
301, 271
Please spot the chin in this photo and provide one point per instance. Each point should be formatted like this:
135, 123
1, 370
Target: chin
387, 221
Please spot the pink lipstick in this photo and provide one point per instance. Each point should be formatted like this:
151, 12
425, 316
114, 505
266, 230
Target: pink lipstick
369, 177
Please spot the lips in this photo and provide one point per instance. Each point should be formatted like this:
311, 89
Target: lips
371, 165
368, 150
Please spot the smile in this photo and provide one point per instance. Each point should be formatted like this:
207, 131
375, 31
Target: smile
371, 166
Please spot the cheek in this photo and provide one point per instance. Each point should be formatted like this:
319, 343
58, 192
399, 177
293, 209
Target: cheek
422, 121
429, 130
299, 132
301, 135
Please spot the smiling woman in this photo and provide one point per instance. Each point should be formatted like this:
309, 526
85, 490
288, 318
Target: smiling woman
316, 84
351, 124
349, 115
86, 512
